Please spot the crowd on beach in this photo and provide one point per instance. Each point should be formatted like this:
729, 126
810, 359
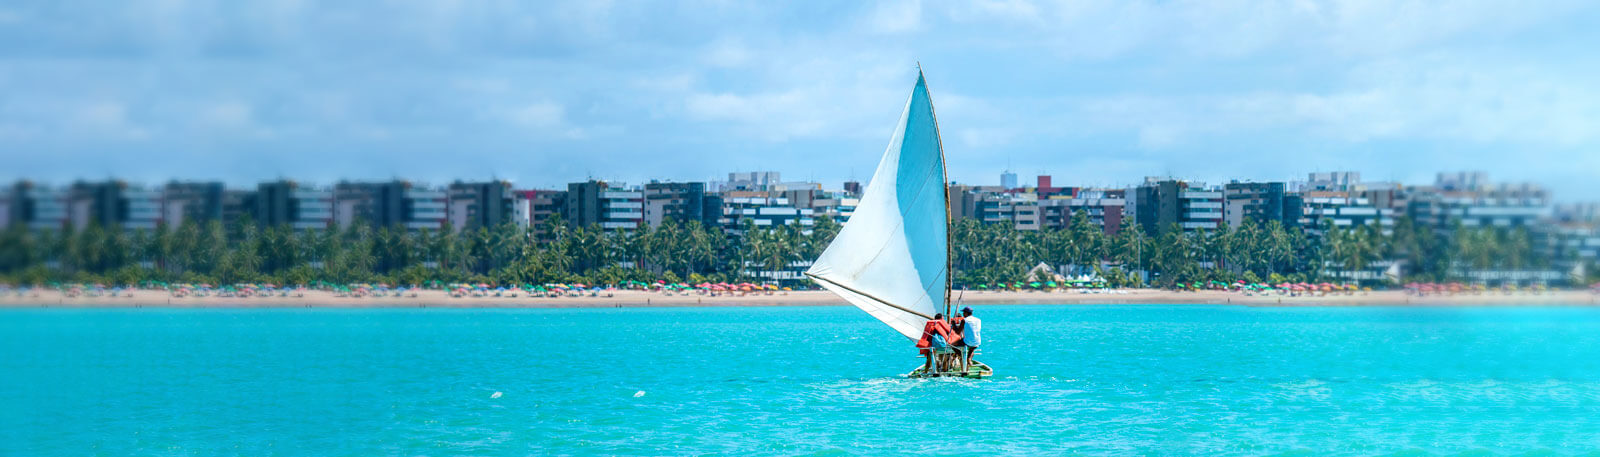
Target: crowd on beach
380, 290
707, 289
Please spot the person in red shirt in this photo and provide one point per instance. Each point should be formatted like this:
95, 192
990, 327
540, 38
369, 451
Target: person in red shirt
937, 337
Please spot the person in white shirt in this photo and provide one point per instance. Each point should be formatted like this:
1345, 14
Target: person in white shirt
970, 332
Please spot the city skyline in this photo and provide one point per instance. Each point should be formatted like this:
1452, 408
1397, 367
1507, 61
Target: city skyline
1091, 93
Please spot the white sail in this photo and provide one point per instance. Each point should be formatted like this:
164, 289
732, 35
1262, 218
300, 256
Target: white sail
892, 257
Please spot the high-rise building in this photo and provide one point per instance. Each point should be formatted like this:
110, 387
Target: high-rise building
478, 205
1261, 202
1475, 202
288, 203
390, 204
1333, 181
751, 180
192, 201
763, 210
378, 204
683, 201
38, 207
546, 204
5, 207
114, 204
1159, 204
1008, 180
993, 205
599, 203
237, 204
1103, 208
1045, 189
1461, 181
853, 188
1341, 209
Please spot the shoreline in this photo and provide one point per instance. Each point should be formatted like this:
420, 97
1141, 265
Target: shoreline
645, 299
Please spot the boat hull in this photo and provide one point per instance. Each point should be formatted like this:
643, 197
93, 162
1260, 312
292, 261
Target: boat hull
978, 370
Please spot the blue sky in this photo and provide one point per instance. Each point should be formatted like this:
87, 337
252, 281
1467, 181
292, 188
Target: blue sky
1093, 92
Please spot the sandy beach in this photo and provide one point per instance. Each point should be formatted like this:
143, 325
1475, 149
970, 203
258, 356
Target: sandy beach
625, 299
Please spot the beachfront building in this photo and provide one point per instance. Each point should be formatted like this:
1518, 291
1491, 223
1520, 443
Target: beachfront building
1332, 181
838, 205
1342, 209
390, 204
852, 189
544, 204
749, 181
289, 203
195, 201
1103, 208
5, 207
682, 201
761, 208
1261, 202
1577, 213
611, 206
139, 208
37, 207
1160, 204
114, 204
475, 205
1044, 188
993, 205
1469, 198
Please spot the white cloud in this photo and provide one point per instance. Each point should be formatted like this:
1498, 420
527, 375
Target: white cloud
545, 117
107, 118
1160, 80
895, 17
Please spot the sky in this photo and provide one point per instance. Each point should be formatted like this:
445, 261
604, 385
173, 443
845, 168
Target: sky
1095, 93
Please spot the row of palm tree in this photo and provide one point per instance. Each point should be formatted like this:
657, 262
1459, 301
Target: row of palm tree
212, 252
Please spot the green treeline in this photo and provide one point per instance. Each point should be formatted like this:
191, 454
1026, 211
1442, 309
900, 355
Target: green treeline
1253, 252
691, 252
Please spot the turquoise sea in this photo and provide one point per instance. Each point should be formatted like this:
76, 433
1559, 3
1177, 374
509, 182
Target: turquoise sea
1156, 380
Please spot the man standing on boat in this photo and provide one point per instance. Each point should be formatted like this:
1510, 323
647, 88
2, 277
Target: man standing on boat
970, 332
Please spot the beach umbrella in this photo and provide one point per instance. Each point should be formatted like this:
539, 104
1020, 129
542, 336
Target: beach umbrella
1034, 284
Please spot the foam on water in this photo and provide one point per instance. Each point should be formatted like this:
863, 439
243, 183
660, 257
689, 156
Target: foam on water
1134, 379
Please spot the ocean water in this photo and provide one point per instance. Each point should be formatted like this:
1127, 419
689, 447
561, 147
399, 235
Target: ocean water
1155, 380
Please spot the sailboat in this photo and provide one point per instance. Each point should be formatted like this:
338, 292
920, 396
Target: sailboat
892, 259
